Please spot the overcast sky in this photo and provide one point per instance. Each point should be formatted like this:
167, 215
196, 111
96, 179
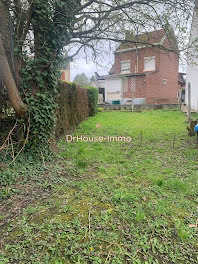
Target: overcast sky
84, 63
80, 65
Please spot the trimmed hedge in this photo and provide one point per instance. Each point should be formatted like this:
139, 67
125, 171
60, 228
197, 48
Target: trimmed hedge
74, 105
93, 100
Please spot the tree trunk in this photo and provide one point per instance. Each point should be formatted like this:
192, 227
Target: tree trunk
6, 76
5, 31
6, 62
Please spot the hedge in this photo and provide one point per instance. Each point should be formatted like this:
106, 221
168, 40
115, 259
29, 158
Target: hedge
93, 100
74, 105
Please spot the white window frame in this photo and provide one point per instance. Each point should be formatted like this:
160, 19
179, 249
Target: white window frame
149, 58
128, 70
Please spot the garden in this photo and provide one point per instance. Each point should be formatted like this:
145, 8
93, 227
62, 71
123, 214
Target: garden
106, 202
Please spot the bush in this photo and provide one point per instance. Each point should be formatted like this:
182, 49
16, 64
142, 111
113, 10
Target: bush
100, 109
93, 100
74, 105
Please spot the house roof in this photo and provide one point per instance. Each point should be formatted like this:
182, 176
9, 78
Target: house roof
143, 40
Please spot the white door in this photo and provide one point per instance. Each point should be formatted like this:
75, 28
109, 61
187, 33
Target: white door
113, 90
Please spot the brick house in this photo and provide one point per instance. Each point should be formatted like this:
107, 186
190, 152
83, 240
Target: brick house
142, 73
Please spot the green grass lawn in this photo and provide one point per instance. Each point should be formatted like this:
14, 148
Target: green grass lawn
119, 202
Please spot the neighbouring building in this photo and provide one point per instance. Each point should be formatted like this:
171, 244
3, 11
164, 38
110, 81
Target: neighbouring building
142, 73
66, 73
192, 64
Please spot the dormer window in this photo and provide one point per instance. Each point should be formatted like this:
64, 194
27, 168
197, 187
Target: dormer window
125, 66
149, 64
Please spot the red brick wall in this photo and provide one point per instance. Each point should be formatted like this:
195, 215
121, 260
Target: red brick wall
140, 90
150, 86
169, 68
158, 92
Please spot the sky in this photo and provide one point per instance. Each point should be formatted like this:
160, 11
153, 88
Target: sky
80, 65
85, 64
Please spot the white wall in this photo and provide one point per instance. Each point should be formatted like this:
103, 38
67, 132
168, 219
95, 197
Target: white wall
192, 67
192, 77
137, 101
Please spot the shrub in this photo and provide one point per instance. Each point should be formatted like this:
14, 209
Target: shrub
100, 109
93, 100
